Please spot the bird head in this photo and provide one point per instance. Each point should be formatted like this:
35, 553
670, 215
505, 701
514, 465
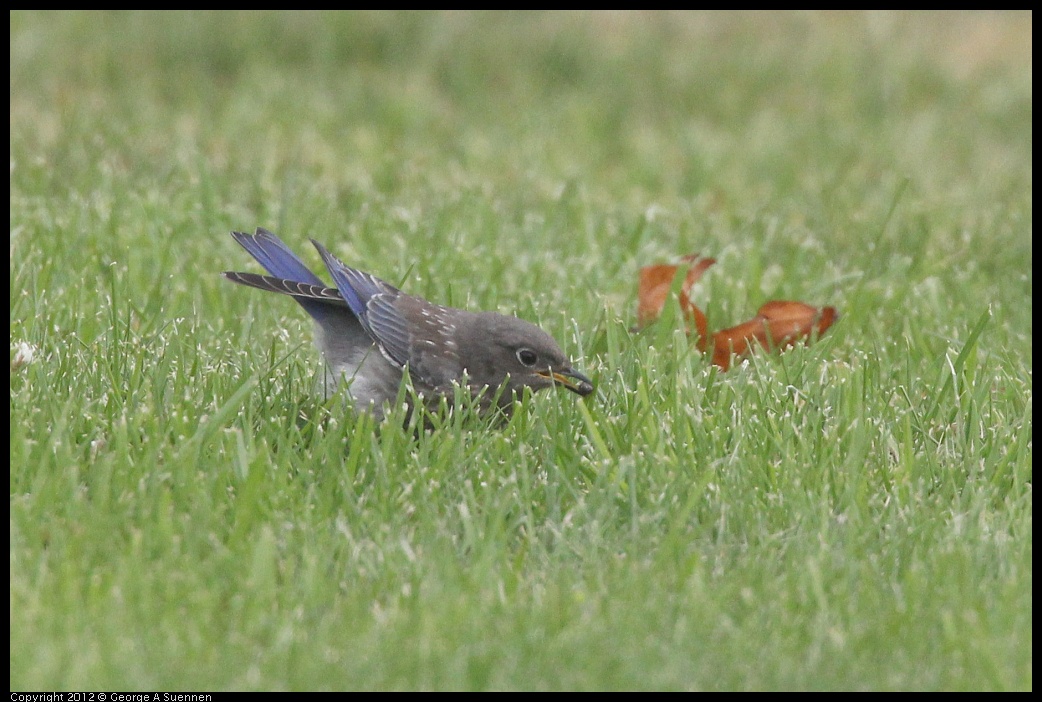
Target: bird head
516, 354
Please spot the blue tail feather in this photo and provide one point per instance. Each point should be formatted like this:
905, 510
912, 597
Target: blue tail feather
276, 257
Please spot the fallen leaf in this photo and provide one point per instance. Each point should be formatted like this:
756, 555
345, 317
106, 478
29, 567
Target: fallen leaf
654, 285
778, 324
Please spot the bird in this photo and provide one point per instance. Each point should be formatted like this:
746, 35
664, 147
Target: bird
372, 335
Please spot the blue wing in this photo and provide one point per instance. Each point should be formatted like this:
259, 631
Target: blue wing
374, 302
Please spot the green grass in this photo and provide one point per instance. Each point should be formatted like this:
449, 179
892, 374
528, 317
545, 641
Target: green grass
186, 514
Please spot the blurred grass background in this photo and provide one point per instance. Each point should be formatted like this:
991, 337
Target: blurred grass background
855, 515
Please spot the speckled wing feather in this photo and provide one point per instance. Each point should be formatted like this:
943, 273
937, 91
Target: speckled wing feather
373, 301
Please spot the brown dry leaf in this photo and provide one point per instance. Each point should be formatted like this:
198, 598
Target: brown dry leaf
654, 285
777, 325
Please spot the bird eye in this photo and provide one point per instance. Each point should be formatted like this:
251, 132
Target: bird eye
527, 357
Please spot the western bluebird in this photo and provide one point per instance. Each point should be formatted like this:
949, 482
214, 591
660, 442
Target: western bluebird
371, 334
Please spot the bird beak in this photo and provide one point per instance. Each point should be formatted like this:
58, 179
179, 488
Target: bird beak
571, 379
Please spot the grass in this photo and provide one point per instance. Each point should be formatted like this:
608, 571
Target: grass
187, 515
